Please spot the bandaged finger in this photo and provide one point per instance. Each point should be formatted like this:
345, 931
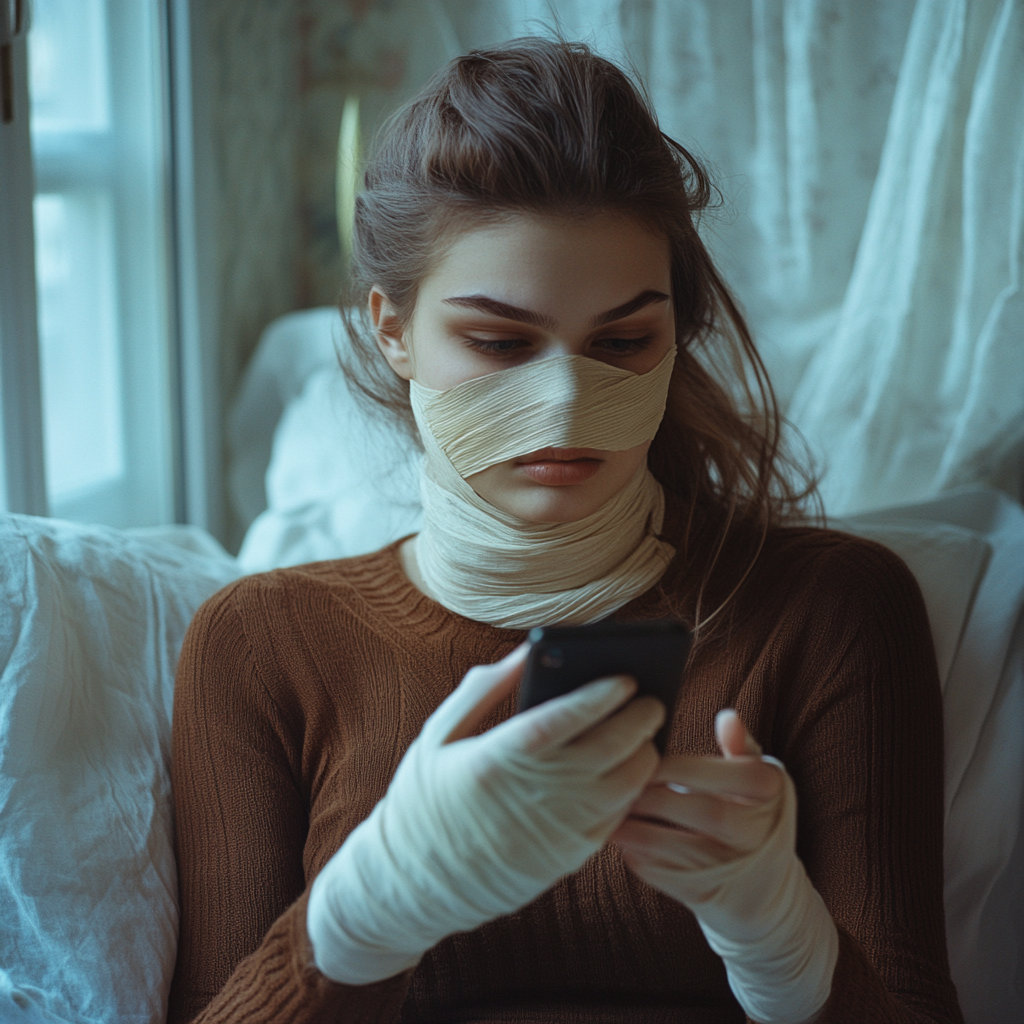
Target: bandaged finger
742, 826
750, 778
617, 737
623, 782
557, 722
661, 853
480, 690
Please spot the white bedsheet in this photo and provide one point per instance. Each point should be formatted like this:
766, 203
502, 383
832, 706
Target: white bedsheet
91, 622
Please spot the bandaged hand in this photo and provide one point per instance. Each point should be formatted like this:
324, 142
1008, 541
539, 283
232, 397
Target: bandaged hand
719, 835
473, 827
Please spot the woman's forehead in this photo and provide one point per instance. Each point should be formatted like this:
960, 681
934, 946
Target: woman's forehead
547, 263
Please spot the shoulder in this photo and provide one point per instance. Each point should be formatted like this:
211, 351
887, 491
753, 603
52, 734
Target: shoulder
789, 569
276, 636
834, 589
825, 627
275, 600
840, 615
821, 566
790, 572
815, 604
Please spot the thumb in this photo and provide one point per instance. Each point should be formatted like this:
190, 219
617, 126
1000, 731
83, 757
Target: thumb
482, 689
732, 736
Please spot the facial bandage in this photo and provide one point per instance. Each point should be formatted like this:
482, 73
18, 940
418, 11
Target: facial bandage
494, 567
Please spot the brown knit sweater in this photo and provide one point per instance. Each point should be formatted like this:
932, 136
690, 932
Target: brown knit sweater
300, 690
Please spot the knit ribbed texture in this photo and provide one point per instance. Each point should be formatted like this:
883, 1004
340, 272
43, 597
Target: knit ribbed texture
300, 690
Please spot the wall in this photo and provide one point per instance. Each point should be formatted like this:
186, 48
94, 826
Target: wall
245, 83
271, 78
381, 52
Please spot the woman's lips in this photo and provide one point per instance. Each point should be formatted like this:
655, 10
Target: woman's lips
559, 467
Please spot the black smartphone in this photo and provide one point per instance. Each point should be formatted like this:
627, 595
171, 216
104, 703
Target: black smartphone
562, 658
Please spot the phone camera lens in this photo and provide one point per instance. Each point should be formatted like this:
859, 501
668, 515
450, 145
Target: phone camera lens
552, 658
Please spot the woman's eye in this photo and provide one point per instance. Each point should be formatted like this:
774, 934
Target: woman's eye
495, 346
625, 346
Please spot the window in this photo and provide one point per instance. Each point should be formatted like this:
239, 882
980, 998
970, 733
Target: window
98, 140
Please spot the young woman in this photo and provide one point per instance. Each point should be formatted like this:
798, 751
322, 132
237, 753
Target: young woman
363, 837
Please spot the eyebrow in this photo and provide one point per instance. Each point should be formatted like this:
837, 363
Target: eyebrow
646, 298
485, 304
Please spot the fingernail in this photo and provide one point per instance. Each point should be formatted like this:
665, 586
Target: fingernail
615, 685
516, 653
627, 684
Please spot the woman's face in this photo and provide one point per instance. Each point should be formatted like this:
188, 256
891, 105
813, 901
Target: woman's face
526, 289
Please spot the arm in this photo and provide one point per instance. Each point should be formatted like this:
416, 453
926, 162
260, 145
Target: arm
434, 857
859, 700
240, 824
867, 758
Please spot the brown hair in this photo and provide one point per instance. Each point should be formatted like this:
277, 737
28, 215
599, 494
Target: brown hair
548, 126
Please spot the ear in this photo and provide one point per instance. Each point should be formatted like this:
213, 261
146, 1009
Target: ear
387, 330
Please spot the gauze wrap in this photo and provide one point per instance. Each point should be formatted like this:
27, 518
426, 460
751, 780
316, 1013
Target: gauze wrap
494, 567
762, 915
469, 830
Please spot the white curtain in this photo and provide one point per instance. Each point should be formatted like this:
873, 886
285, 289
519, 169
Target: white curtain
871, 157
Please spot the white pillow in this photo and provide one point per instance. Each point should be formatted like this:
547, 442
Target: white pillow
91, 623
966, 549
340, 482
289, 350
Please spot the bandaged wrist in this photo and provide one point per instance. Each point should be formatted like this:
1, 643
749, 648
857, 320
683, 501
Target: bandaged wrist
340, 906
761, 914
467, 831
784, 977
771, 927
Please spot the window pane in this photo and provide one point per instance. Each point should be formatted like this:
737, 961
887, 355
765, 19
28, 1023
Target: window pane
68, 66
98, 133
78, 341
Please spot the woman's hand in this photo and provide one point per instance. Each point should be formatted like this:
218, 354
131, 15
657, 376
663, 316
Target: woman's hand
719, 835
701, 811
473, 827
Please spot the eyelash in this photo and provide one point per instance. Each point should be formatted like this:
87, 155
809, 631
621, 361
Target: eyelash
502, 347
631, 344
506, 346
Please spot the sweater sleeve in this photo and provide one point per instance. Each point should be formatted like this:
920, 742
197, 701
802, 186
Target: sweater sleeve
867, 759
241, 821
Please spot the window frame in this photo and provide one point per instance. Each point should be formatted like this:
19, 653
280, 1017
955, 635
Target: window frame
190, 273
23, 483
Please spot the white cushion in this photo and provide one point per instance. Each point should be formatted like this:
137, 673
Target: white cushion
341, 482
966, 549
91, 622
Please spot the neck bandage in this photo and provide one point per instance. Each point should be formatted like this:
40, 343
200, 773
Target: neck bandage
494, 567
